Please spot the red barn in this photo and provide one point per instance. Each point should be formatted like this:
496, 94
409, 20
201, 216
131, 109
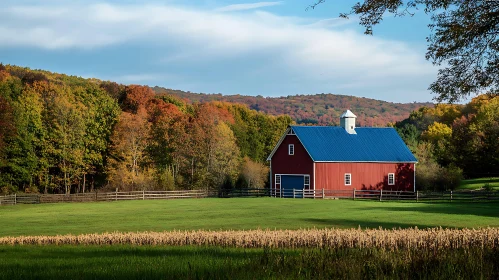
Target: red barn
342, 158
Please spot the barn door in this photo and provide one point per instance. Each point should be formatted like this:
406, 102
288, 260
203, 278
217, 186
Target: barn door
290, 182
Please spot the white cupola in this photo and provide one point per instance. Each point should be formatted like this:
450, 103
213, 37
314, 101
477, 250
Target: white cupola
347, 121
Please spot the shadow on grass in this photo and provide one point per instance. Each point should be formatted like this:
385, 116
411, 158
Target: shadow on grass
125, 262
487, 209
481, 181
139, 251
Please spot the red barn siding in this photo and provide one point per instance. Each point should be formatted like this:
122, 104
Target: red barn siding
330, 176
299, 163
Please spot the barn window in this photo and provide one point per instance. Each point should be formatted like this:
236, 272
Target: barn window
306, 181
391, 179
348, 179
291, 132
277, 179
291, 149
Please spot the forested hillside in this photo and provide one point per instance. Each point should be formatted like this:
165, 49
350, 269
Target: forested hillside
454, 140
62, 134
317, 109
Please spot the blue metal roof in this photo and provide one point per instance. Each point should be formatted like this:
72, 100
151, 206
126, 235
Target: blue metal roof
328, 143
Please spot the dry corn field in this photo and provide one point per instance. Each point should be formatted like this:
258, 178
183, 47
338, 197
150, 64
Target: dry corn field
394, 239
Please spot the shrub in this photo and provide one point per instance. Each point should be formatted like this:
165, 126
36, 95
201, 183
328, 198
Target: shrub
488, 187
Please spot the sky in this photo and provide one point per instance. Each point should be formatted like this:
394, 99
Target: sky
272, 48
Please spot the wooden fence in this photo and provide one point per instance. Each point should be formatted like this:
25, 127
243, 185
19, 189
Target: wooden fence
387, 195
380, 195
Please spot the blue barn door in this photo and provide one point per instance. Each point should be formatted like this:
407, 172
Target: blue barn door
290, 182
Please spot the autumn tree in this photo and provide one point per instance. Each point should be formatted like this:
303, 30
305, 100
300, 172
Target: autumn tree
255, 173
129, 142
224, 161
168, 136
463, 42
136, 98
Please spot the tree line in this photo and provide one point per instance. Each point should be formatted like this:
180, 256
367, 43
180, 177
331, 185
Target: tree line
65, 134
314, 109
453, 141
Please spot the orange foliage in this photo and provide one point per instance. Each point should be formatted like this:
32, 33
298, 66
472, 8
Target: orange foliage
137, 98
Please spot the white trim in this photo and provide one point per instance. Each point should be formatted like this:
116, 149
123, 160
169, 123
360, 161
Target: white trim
414, 177
293, 175
282, 139
291, 132
349, 178
305, 148
314, 175
278, 143
393, 179
275, 187
270, 178
291, 149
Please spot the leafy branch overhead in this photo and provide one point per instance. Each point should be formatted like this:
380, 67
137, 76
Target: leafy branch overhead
463, 41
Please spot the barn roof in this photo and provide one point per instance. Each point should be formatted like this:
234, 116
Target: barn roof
335, 144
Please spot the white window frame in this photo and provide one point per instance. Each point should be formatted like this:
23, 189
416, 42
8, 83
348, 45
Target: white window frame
291, 132
277, 180
349, 176
392, 183
291, 149
306, 181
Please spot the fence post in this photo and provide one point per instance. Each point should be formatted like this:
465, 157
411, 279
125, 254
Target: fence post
116, 195
15, 198
280, 192
380, 194
353, 194
417, 196
96, 196
303, 195
450, 196
143, 194
323, 196
294, 195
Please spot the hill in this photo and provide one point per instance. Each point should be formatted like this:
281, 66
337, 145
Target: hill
318, 109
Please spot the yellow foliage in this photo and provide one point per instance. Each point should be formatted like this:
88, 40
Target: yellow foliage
437, 131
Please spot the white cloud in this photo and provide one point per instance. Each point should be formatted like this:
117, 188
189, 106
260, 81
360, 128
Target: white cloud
316, 52
247, 6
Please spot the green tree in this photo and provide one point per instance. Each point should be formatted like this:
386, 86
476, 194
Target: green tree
23, 148
65, 119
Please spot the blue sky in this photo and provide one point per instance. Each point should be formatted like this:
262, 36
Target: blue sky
272, 48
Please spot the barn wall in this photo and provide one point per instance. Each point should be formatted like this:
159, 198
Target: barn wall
369, 176
299, 163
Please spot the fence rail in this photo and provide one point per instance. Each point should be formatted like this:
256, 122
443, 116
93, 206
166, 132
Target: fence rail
380, 195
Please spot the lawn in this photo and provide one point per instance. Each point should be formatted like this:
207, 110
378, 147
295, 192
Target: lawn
475, 184
238, 213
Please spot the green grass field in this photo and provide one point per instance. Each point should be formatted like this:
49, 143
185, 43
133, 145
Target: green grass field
163, 262
157, 262
238, 213
475, 184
